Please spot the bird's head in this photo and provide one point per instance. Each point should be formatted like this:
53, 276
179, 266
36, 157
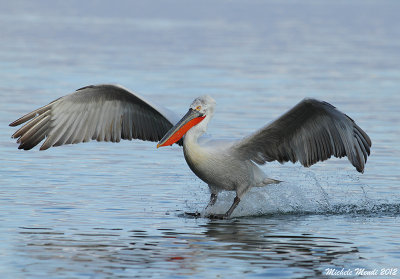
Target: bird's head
204, 104
200, 111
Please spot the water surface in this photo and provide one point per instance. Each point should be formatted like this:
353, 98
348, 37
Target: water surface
103, 210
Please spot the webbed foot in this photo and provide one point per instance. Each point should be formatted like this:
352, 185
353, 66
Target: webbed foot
193, 214
218, 216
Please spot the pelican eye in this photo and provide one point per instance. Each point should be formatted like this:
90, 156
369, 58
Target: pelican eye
198, 108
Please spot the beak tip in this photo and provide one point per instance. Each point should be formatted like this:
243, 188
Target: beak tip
158, 145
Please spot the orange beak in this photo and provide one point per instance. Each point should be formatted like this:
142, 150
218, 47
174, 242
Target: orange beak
191, 118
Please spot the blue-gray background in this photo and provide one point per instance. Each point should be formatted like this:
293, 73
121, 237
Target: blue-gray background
102, 210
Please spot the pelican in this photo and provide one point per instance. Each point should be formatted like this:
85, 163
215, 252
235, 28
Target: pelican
310, 132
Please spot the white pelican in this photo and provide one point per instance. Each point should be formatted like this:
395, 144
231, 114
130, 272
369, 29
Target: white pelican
311, 131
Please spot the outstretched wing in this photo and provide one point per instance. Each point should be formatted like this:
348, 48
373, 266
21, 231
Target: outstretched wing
312, 131
97, 112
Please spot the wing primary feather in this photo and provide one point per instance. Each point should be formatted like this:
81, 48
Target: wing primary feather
32, 131
90, 125
79, 132
69, 133
33, 114
101, 123
106, 131
128, 125
28, 126
117, 124
364, 140
135, 125
362, 147
96, 122
36, 138
148, 129
359, 159
326, 144
86, 126
364, 135
58, 131
153, 128
139, 123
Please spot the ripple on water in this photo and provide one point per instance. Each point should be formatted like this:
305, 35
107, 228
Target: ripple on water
181, 253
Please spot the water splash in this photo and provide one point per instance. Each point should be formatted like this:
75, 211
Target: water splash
310, 194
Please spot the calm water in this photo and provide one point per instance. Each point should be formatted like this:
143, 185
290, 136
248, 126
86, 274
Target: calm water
102, 210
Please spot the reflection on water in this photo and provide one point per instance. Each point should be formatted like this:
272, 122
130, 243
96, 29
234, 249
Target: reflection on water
217, 244
265, 248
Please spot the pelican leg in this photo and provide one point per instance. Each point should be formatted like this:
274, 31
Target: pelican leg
213, 199
228, 213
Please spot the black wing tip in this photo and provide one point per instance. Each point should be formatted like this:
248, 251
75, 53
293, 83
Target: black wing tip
25, 146
360, 169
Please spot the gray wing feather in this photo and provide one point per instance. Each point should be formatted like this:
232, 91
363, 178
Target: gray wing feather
312, 131
97, 112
